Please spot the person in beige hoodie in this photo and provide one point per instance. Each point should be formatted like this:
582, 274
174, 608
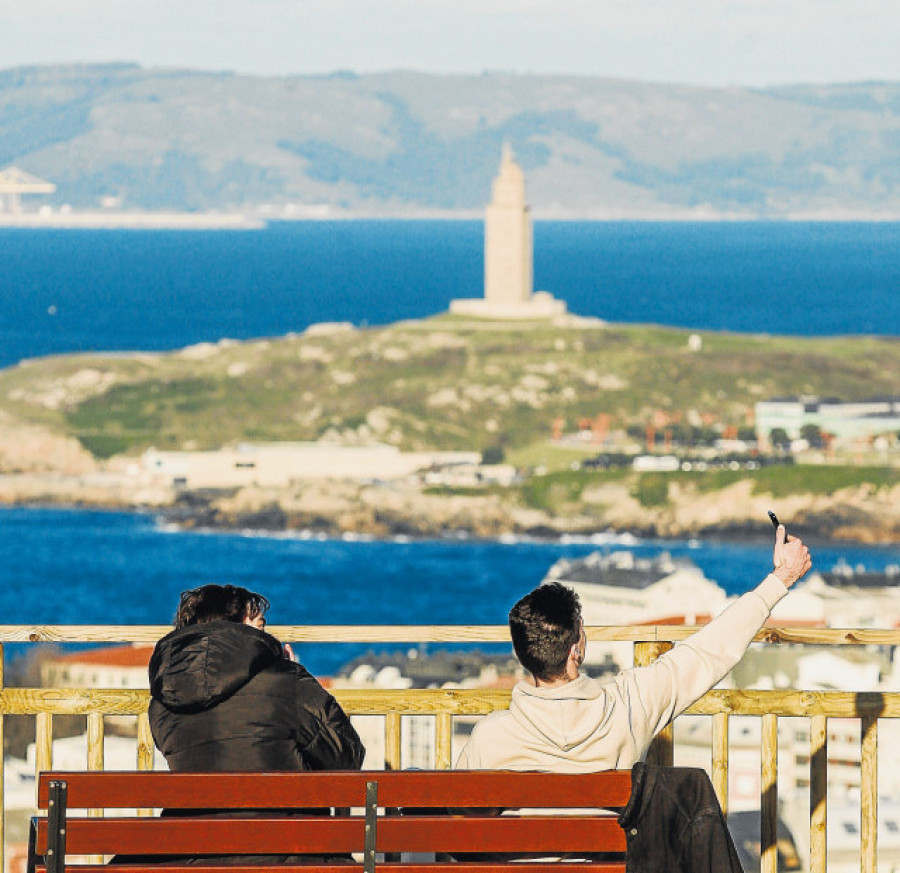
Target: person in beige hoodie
564, 721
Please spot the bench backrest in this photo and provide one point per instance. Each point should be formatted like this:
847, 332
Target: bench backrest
251, 814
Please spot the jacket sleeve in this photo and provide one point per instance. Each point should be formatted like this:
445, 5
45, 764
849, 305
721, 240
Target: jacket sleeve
326, 738
655, 694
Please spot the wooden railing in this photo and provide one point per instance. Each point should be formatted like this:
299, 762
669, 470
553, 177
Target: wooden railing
445, 704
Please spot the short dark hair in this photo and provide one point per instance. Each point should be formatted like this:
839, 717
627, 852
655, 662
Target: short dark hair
544, 626
212, 602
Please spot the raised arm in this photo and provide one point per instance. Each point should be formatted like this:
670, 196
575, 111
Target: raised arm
659, 692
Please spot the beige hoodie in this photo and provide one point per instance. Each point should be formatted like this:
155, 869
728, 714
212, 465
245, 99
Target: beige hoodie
587, 725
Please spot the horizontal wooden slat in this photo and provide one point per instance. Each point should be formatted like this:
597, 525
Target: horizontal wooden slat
317, 834
440, 788
843, 704
73, 701
524, 834
205, 836
442, 633
458, 867
479, 701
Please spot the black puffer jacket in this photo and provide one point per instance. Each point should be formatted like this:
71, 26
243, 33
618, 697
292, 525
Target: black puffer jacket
224, 697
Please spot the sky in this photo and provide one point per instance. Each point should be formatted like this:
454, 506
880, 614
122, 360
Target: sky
699, 42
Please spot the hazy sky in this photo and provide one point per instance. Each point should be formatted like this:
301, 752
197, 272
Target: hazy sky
712, 42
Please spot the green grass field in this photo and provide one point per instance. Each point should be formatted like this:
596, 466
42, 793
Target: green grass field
440, 383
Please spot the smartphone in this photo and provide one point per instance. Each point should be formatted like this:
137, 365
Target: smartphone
776, 522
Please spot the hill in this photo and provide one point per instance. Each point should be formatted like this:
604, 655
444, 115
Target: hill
453, 384
408, 143
441, 383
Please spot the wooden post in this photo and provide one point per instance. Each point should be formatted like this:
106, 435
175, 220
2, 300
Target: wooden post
43, 745
95, 760
392, 746
444, 741
144, 743
768, 857
144, 751
720, 758
95, 757
868, 777
662, 749
818, 793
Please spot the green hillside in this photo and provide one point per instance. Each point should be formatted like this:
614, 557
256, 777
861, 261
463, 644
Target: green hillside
443, 383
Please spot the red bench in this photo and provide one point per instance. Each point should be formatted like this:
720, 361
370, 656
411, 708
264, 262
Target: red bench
366, 820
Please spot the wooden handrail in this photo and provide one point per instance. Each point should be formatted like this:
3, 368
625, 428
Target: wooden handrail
467, 701
149, 634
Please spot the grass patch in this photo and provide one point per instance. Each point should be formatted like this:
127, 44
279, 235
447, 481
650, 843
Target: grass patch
544, 454
463, 490
103, 446
652, 489
785, 481
553, 490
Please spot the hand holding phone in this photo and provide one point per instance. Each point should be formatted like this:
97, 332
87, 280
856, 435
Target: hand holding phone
776, 522
790, 564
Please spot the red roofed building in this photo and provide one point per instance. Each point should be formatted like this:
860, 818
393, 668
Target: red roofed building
109, 667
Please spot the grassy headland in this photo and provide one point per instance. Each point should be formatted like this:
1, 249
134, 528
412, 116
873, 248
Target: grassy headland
453, 383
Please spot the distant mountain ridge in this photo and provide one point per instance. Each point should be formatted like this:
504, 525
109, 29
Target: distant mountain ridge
410, 143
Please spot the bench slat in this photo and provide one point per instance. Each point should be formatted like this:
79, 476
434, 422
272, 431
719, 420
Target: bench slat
126, 790
185, 836
205, 836
456, 867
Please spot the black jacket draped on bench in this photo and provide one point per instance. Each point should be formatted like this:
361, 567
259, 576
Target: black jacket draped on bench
673, 823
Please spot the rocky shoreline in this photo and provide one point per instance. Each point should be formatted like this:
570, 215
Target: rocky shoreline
860, 514
735, 513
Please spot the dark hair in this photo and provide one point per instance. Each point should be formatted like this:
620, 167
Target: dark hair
212, 602
544, 626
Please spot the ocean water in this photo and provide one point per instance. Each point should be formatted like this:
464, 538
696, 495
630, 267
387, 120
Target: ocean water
62, 566
95, 290
68, 291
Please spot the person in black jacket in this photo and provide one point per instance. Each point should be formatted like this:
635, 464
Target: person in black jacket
225, 695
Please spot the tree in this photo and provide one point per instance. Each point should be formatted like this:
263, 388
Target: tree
812, 433
779, 438
493, 455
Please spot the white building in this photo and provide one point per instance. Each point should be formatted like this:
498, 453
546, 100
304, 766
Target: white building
845, 420
279, 464
621, 588
844, 597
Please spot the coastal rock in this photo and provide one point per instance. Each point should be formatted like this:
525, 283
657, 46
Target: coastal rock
862, 513
29, 449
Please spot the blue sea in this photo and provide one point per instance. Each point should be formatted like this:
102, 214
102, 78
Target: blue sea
62, 566
71, 291
103, 290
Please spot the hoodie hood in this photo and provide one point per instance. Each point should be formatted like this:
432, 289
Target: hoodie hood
195, 667
566, 716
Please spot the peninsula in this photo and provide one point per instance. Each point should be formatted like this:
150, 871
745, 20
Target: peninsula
525, 396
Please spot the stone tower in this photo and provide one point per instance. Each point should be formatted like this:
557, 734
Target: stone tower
507, 238
508, 255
